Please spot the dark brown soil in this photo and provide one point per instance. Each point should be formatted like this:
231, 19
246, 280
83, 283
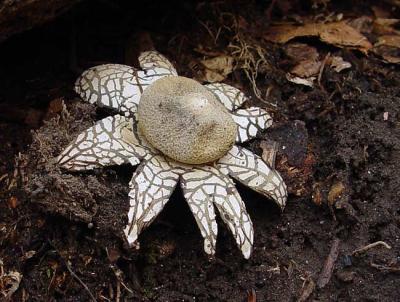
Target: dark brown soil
61, 231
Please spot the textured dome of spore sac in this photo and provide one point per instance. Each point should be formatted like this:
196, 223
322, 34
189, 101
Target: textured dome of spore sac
185, 121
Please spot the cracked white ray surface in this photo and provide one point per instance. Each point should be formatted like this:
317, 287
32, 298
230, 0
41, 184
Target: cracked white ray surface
113, 86
231, 97
198, 191
103, 145
250, 121
249, 169
150, 189
205, 185
153, 59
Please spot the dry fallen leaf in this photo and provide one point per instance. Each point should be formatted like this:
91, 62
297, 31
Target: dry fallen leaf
307, 63
12, 202
317, 194
388, 47
338, 64
9, 284
339, 34
269, 151
300, 81
216, 69
335, 192
298, 52
385, 26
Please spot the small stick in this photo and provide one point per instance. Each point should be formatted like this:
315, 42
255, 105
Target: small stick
370, 246
251, 295
307, 290
321, 70
75, 276
386, 268
326, 273
118, 295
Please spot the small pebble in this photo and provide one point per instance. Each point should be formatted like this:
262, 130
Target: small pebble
347, 261
260, 283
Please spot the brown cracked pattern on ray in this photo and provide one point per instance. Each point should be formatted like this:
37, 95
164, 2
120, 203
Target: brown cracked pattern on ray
249, 122
199, 195
149, 60
117, 86
231, 97
113, 86
151, 187
249, 169
204, 186
102, 145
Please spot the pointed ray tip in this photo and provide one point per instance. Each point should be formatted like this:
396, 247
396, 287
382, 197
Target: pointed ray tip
131, 238
247, 249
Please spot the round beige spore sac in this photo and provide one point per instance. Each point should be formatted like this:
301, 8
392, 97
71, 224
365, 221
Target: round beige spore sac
185, 121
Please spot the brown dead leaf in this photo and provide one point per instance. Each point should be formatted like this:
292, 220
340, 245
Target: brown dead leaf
27, 255
385, 26
362, 24
269, 151
301, 81
338, 64
317, 194
216, 69
389, 40
9, 284
307, 63
339, 34
335, 192
12, 202
388, 48
54, 108
379, 12
306, 69
298, 52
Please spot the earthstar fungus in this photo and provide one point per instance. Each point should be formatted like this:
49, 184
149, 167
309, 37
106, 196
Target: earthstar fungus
177, 131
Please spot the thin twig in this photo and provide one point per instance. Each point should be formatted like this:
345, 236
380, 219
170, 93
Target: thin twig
386, 268
75, 276
370, 246
326, 273
321, 70
251, 295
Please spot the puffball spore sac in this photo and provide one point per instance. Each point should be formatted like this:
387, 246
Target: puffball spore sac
185, 121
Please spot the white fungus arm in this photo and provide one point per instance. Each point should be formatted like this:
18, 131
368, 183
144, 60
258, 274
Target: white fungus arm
150, 189
103, 145
231, 97
250, 122
205, 185
149, 60
249, 169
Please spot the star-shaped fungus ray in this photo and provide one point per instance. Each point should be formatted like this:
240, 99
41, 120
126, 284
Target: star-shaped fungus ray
153, 59
205, 186
249, 169
150, 189
103, 145
120, 87
230, 96
250, 122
